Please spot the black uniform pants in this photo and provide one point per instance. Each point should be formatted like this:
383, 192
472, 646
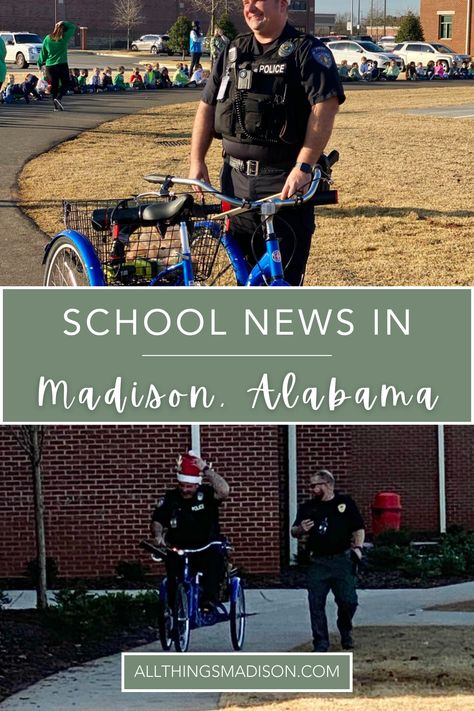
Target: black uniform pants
210, 563
195, 59
335, 573
58, 75
293, 226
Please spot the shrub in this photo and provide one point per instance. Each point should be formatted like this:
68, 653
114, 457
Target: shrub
82, 615
415, 566
410, 29
133, 571
386, 557
179, 35
452, 562
227, 26
457, 534
32, 571
394, 537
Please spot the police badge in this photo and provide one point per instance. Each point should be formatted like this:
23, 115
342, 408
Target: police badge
200, 496
322, 56
341, 508
285, 49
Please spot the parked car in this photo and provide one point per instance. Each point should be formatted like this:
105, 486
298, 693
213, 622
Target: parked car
387, 43
155, 44
427, 51
361, 38
353, 51
332, 38
23, 48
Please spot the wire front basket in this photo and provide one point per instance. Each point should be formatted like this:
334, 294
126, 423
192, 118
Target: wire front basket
133, 254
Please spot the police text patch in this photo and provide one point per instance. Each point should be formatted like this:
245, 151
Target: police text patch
271, 68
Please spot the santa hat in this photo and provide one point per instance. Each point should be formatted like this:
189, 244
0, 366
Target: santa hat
187, 470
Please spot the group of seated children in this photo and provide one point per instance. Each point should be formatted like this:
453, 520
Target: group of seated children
81, 81
370, 71
153, 77
181, 76
24, 90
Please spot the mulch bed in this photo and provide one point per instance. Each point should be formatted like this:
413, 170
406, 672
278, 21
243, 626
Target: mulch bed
29, 651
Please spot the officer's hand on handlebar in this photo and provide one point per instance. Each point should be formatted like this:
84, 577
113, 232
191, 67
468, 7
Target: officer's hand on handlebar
198, 171
159, 541
296, 182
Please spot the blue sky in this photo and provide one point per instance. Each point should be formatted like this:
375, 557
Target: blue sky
394, 7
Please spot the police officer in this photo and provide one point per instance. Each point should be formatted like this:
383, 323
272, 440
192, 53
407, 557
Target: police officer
188, 517
272, 96
335, 536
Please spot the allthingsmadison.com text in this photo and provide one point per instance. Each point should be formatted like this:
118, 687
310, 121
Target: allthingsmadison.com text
237, 671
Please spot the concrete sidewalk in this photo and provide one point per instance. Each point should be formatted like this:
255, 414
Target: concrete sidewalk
28, 131
278, 621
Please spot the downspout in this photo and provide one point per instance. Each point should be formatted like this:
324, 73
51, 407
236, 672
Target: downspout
467, 47
292, 490
196, 439
441, 480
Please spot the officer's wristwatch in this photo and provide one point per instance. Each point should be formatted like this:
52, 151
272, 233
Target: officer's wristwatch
305, 167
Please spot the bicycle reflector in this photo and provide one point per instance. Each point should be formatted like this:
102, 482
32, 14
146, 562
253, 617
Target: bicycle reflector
225, 206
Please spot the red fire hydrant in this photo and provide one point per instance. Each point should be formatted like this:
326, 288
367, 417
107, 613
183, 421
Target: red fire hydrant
386, 512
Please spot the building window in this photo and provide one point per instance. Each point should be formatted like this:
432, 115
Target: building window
298, 5
445, 27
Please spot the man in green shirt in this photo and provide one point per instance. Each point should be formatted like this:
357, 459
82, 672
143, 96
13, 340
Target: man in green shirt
53, 56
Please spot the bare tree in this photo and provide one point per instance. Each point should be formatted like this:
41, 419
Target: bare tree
214, 9
128, 14
31, 440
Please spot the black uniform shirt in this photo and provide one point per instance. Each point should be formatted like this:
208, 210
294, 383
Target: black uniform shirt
319, 81
190, 523
334, 523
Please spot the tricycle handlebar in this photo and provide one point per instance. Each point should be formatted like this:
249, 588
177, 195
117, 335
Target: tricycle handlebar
164, 550
169, 180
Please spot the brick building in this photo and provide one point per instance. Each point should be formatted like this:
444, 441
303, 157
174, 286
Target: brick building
101, 484
451, 23
158, 16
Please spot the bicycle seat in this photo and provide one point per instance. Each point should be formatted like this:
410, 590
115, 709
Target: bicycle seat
142, 214
158, 211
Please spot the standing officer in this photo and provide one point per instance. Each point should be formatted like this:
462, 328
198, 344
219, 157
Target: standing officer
335, 531
272, 96
188, 517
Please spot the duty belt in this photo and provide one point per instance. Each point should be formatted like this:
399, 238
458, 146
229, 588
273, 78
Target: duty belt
254, 167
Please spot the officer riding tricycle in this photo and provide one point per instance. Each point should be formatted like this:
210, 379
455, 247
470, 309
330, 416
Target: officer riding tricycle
187, 611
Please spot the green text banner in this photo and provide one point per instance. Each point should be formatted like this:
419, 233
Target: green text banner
236, 355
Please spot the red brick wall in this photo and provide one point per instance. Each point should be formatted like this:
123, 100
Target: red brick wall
323, 447
430, 23
249, 457
400, 459
101, 484
459, 457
